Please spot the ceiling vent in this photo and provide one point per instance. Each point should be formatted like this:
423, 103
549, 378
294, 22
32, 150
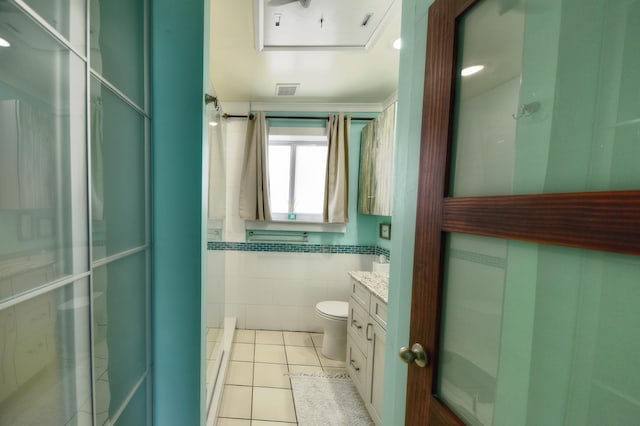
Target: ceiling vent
286, 89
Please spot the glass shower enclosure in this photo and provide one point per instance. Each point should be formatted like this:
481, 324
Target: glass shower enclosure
215, 172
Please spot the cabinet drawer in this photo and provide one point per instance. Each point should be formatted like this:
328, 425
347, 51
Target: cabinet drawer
357, 366
360, 294
378, 311
357, 323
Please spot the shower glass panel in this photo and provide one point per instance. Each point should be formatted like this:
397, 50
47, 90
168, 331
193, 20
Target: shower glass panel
215, 258
118, 45
45, 357
66, 16
51, 219
43, 215
551, 111
118, 173
137, 411
535, 333
120, 337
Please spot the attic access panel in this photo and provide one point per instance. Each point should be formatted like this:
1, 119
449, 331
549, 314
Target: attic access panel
320, 24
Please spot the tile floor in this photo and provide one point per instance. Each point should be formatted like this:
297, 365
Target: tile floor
257, 391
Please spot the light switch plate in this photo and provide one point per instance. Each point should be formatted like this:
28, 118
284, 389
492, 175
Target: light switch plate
385, 231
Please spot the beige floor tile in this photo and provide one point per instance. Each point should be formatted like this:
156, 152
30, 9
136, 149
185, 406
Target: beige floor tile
244, 336
265, 423
271, 376
326, 362
273, 404
267, 337
242, 352
317, 339
270, 353
233, 422
305, 369
297, 339
240, 373
299, 355
236, 402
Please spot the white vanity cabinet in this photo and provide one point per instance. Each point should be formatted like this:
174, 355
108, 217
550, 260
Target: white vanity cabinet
366, 337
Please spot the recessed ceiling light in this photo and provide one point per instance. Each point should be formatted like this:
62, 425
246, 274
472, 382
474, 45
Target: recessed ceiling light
471, 70
213, 123
4, 43
397, 44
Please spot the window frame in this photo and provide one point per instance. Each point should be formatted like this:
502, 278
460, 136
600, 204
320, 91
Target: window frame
295, 137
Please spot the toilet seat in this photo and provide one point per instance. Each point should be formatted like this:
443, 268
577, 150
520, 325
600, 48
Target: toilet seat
333, 309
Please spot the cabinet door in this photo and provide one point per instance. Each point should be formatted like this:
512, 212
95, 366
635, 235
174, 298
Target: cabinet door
357, 324
376, 336
357, 366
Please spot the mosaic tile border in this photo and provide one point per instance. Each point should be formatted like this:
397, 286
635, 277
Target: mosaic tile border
383, 251
298, 248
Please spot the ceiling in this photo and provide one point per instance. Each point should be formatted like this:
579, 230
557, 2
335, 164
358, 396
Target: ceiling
240, 72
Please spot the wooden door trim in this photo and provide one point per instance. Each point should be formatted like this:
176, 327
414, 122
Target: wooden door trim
579, 220
442, 415
438, 100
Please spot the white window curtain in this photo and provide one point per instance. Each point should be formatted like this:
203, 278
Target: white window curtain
336, 197
35, 151
376, 164
97, 163
254, 186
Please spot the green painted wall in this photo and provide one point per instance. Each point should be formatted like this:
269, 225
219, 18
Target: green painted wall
412, 63
177, 64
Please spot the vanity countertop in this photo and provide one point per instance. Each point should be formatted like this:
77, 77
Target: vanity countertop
377, 283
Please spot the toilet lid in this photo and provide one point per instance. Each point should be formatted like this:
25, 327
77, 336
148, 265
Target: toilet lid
334, 308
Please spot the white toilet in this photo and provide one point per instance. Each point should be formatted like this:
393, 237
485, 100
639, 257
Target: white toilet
333, 315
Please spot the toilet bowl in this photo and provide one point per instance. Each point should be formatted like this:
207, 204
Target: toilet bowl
333, 315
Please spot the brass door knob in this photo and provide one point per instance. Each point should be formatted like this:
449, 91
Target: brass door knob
416, 355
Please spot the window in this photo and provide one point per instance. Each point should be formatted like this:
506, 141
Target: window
297, 169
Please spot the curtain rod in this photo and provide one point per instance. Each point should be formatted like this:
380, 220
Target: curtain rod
290, 117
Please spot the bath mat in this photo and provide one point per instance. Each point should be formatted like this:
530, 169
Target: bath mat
323, 400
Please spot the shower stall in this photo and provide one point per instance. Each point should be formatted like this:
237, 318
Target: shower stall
218, 337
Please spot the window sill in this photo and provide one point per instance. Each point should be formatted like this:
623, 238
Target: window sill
295, 226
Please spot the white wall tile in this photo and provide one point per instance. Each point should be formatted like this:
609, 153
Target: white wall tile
308, 320
280, 290
271, 317
338, 290
251, 292
300, 292
238, 312
215, 315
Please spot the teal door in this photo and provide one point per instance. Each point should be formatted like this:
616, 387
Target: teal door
526, 294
